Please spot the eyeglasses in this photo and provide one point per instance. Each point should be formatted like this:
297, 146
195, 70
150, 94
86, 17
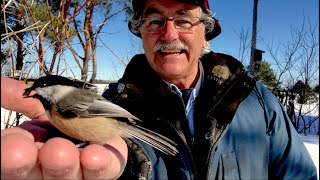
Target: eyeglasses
182, 24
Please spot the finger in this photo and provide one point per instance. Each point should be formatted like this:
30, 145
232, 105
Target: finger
43, 130
11, 98
42, 123
18, 156
17, 131
59, 159
104, 162
38, 132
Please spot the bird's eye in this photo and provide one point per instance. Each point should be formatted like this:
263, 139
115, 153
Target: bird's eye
44, 84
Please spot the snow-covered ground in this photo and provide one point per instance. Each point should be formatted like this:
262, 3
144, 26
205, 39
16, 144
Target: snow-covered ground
312, 144
311, 141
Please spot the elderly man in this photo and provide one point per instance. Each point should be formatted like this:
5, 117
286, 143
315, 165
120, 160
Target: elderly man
226, 125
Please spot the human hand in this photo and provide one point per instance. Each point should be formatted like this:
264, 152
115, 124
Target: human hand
24, 157
12, 99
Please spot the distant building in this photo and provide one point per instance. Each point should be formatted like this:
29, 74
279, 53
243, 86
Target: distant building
258, 55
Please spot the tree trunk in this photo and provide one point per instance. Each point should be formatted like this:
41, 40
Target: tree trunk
19, 59
94, 62
42, 65
54, 57
87, 24
62, 34
254, 36
94, 56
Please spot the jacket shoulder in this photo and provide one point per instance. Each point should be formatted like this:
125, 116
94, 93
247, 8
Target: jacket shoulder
220, 58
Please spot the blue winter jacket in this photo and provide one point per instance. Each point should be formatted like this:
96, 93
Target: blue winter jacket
241, 129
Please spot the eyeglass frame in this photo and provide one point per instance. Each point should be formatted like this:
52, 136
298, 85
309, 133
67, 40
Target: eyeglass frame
178, 28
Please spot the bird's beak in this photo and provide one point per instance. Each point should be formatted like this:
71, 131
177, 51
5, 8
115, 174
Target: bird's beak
27, 92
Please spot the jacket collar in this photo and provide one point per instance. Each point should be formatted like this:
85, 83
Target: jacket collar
218, 68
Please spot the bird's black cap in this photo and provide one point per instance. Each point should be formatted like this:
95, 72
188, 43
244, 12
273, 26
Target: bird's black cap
50, 80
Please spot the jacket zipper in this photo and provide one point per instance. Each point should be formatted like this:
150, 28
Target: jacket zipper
194, 170
223, 132
213, 147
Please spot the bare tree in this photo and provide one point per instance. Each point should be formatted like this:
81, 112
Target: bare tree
91, 33
244, 45
297, 60
28, 40
19, 26
308, 64
285, 55
12, 20
94, 34
62, 32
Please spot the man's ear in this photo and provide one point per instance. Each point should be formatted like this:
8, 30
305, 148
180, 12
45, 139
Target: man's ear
204, 43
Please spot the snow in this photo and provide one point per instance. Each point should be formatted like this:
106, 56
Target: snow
9, 118
101, 87
312, 144
310, 141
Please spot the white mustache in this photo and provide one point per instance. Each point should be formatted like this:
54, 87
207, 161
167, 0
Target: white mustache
175, 46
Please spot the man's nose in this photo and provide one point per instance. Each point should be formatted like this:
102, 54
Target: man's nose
169, 32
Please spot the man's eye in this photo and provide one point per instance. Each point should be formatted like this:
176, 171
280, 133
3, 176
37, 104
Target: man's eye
155, 22
182, 21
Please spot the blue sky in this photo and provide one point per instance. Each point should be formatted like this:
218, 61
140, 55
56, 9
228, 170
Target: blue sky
275, 19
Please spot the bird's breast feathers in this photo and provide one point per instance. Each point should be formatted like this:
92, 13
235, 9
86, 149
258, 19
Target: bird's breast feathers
96, 129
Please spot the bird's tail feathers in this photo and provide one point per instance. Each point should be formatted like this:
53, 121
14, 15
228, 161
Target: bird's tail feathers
156, 140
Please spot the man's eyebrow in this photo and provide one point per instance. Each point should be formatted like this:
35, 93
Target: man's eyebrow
183, 12
156, 11
151, 11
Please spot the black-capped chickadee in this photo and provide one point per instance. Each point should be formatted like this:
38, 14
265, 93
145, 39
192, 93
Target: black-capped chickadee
87, 116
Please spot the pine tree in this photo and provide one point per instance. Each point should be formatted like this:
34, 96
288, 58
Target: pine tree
265, 74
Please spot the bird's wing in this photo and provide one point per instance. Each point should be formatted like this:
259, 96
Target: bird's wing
86, 107
106, 108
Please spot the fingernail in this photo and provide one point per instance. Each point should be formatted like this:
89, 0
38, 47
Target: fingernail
57, 172
20, 172
93, 172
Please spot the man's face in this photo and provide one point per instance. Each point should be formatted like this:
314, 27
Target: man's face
172, 63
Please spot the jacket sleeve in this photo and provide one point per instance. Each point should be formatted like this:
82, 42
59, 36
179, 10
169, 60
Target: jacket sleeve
110, 92
288, 158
